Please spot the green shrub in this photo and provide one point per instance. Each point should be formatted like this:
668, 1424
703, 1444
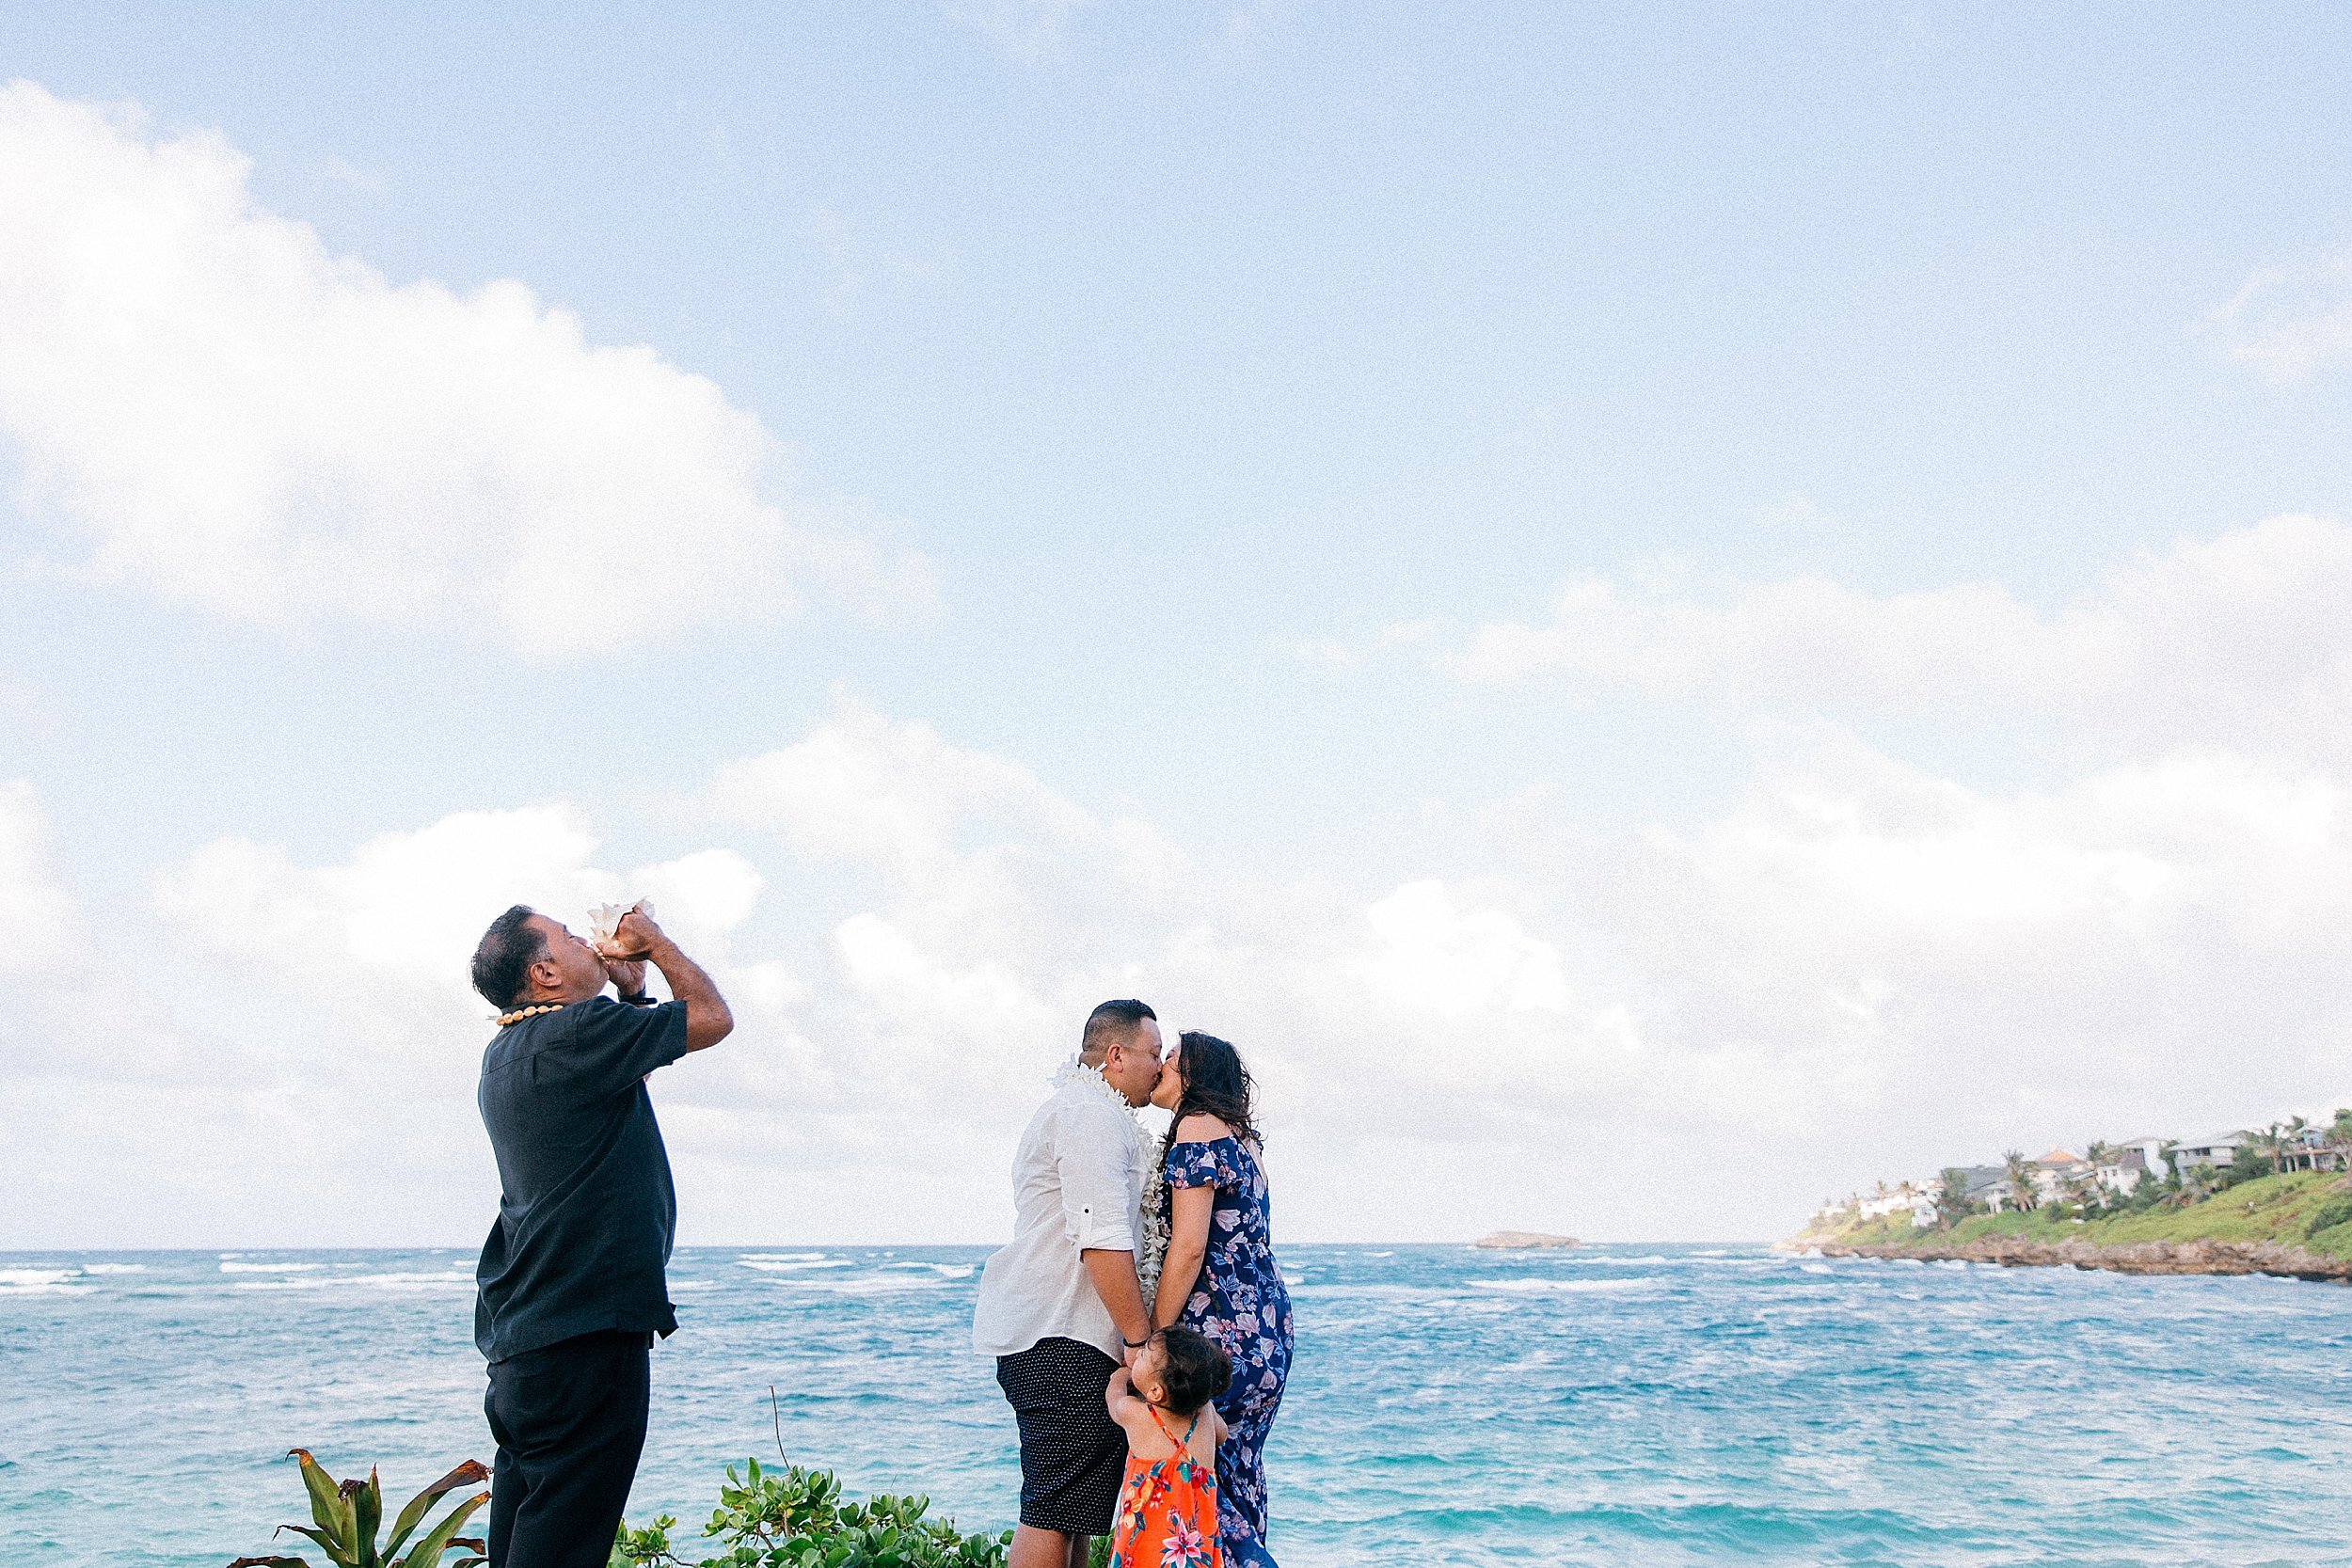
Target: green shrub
2329, 1215
796, 1519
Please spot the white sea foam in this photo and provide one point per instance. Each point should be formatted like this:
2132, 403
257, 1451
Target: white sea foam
400, 1282
279, 1284
781, 1258
945, 1270
1817, 1268
407, 1282
1563, 1287
40, 1282
786, 1265
872, 1285
271, 1268
113, 1268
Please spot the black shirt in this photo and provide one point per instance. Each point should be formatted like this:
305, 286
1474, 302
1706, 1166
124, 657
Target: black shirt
585, 1206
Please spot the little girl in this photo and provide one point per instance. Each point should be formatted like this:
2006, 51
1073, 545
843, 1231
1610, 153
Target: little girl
1168, 1508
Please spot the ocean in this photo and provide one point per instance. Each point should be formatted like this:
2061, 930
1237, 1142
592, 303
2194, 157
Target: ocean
1614, 1405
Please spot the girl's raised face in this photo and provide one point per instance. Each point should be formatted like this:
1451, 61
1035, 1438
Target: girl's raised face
1171, 1088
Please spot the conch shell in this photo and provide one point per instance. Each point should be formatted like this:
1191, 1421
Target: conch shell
604, 920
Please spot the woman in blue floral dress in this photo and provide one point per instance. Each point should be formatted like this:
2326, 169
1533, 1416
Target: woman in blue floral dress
1220, 1276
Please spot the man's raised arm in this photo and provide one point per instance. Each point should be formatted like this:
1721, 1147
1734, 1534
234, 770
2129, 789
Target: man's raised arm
708, 1020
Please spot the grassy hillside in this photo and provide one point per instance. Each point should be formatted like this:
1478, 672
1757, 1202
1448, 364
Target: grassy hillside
2306, 1209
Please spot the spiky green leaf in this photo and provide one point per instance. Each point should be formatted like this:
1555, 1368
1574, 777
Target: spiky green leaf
367, 1513
466, 1474
427, 1552
324, 1542
329, 1508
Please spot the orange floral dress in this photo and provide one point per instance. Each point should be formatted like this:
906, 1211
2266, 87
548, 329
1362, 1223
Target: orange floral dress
1167, 1510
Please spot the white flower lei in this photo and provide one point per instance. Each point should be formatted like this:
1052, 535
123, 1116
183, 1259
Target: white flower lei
1153, 1249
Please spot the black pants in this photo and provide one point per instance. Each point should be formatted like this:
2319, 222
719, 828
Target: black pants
570, 1421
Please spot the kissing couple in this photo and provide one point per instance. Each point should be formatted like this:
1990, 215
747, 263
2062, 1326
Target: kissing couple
1140, 1285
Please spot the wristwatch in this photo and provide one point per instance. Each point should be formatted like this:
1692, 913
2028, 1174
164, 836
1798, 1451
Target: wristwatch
640, 1000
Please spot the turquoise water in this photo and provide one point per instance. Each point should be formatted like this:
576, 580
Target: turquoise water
1611, 1405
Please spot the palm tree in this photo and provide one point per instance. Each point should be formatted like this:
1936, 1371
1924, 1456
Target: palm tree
1951, 1197
2020, 1172
2101, 1153
2176, 1180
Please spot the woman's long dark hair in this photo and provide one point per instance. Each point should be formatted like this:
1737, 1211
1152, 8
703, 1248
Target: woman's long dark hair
1216, 1084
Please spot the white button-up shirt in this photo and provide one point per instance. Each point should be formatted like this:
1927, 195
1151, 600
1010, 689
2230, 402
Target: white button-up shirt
1078, 1186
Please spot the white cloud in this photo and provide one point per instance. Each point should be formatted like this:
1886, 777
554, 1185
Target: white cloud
1860, 969
40, 924
1435, 958
237, 418
2145, 945
2288, 322
2239, 638
387, 936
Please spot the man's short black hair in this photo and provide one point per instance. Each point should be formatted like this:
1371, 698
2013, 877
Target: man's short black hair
501, 965
1193, 1368
1112, 1023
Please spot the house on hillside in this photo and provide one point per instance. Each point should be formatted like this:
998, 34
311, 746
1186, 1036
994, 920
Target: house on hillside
2059, 1175
1908, 1198
2220, 1149
1883, 1201
1989, 1186
2313, 1149
2136, 1160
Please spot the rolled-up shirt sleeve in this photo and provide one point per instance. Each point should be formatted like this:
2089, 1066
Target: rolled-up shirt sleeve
1093, 1156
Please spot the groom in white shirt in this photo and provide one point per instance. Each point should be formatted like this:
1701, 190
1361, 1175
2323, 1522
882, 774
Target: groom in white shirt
1062, 1309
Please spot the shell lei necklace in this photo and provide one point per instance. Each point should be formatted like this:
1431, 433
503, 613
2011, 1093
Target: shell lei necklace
507, 1020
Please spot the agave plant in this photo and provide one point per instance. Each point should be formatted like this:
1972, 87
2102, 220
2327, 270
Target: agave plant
346, 1516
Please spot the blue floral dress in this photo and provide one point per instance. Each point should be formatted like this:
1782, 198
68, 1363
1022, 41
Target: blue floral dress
1240, 1302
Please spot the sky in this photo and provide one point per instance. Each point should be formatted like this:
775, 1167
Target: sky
1661, 613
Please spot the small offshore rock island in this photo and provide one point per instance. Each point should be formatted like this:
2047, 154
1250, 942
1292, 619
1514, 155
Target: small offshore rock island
1524, 1241
2276, 1200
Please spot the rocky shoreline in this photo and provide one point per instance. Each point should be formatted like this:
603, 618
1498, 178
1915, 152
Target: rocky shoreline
2203, 1256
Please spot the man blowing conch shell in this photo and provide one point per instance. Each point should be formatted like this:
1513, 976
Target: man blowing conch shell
572, 1287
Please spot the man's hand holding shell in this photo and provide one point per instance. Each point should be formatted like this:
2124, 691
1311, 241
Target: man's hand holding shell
624, 935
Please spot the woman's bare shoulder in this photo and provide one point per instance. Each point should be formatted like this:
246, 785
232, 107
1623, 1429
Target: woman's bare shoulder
1201, 1128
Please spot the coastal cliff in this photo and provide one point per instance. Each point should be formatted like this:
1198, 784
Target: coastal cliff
2295, 1225
2131, 1258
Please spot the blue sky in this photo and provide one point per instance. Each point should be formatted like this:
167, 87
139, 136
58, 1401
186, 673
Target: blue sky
1206, 378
